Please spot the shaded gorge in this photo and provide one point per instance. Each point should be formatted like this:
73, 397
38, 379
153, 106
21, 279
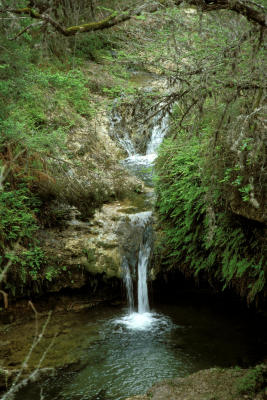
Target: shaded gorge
137, 346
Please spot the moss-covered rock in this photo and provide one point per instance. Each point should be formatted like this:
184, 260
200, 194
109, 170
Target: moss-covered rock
211, 384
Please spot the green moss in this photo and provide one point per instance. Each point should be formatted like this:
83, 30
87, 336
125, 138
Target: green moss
252, 381
92, 26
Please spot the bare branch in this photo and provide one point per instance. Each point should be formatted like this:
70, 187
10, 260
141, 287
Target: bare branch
26, 29
108, 22
15, 385
18, 384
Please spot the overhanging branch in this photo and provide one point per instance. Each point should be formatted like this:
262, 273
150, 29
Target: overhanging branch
250, 10
247, 8
113, 19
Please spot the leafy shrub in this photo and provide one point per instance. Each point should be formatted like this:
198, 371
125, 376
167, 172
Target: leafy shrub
18, 225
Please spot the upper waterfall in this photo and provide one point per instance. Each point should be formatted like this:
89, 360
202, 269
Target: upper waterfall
159, 129
122, 138
141, 145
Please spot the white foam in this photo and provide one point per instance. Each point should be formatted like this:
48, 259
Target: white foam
137, 321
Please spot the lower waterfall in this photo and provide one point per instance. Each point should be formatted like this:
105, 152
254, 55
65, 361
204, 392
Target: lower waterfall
128, 282
144, 254
140, 224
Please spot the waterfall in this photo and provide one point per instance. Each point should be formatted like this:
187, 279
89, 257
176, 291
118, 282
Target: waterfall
120, 133
136, 248
159, 130
137, 241
128, 282
139, 164
144, 254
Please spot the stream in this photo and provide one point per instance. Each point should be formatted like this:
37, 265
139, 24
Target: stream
138, 346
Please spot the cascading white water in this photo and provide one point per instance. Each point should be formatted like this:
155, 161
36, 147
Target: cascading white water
159, 130
141, 225
123, 139
128, 282
144, 254
140, 164
137, 163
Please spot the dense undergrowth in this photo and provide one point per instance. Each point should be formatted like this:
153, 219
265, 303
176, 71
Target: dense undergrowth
45, 100
211, 170
202, 236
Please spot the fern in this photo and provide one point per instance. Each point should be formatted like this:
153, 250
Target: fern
232, 254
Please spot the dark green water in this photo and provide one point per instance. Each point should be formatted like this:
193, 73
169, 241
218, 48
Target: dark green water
123, 362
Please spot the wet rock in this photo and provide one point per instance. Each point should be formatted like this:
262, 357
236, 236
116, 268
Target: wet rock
131, 232
82, 250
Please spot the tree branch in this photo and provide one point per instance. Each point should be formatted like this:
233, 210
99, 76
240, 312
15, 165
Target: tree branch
108, 22
247, 8
26, 29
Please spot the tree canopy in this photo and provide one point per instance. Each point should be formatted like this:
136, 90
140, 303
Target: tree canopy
48, 12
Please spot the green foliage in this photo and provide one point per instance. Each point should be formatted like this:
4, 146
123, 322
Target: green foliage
51, 272
33, 120
93, 46
19, 243
18, 224
200, 233
17, 215
117, 90
31, 261
252, 381
212, 168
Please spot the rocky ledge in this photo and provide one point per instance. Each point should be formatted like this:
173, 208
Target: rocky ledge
213, 384
80, 250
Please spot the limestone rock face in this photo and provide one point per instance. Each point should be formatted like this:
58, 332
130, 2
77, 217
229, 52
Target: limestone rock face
93, 248
254, 210
89, 174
